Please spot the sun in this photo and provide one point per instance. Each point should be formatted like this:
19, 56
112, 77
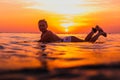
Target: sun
67, 25
66, 30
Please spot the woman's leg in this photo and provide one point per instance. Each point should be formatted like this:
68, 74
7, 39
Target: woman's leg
101, 32
75, 39
89, 36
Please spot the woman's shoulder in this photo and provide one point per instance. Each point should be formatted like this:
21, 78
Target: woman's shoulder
50, 32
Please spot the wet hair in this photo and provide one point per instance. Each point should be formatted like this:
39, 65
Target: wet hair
43, 20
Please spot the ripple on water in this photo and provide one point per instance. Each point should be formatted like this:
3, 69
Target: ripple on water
66, 59
9, 51
1, 47
95, 46
16, 48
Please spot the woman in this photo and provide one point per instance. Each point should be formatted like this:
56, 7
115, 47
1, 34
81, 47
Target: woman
49, 36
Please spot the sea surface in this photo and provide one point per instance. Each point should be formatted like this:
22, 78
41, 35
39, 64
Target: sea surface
23, 58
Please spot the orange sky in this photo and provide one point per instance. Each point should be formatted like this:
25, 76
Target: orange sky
74, 16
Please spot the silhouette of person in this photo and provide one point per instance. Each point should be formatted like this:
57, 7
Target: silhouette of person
48, 36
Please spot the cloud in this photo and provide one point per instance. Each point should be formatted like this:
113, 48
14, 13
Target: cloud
70, 6
66, 6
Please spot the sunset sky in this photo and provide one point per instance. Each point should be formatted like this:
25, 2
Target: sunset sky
73, 16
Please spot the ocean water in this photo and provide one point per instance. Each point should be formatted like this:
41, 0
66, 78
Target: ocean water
22, 58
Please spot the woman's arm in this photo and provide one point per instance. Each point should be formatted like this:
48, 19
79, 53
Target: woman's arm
46, 37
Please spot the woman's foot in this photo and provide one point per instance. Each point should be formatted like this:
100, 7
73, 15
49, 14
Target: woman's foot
99, 28
101, 31
94, 30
